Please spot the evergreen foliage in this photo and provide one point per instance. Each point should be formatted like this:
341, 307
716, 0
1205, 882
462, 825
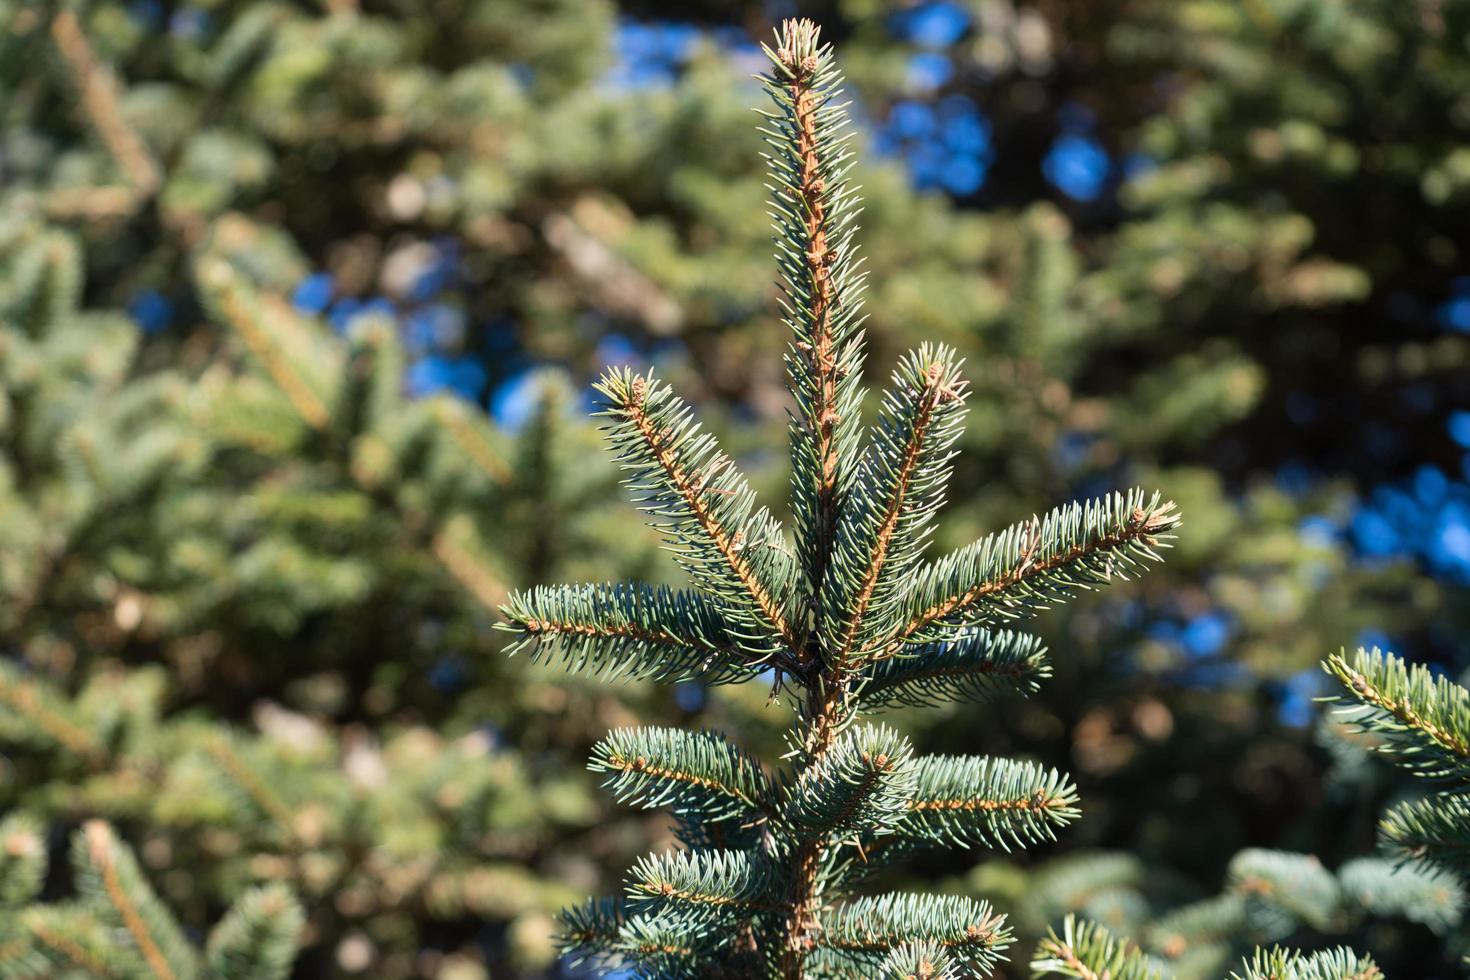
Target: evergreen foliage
1410, 714
1269, 897
850, 602
117, 927
177, 505
1332, 964
1421, 722
1087, 951
193, 517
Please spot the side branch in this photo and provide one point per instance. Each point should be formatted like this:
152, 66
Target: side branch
934, 391
1037, 802
600, 631
1087, 951
697, 773
43, 708
874, 925
101, 849
973, 667
629, 630
691, 492
642, 766
1033, 569
219, 749
68, 948
261, 322
450, 545
1424, 717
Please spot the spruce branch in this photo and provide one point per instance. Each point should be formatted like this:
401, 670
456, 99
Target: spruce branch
601, 932
1329, 964
662, 950
41, 293
1087, 951
1424, 720
964, 800
815, 209
699, 772
22, 860
1412, 890
629, 630
694, 493
920, 961
700, 889
1281, 888
257, 939
862, 785
1198, 924
110, 881
1422, 723
976, 666
632, 631
101, 101
307, 367
66, 938
276, 336
457, 545
899, 487
223, 752
34, 711
589, 932
1434, 829
473, 435
863, 932
117, 928
855, 621
1030, 565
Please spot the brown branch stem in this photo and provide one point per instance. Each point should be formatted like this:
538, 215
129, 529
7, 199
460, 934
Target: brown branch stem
811, 187
100, 844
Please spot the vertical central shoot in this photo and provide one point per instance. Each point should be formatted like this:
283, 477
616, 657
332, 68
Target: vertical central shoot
815, 213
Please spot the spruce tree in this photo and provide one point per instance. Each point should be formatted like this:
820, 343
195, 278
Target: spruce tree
844, 617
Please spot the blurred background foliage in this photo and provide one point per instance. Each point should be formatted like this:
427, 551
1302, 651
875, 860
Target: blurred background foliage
299, 303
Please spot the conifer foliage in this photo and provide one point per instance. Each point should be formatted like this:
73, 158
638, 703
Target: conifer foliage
290, 481
1086, 951
1423, 722
1269, 897
117, 927
845, 617
1419, 720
